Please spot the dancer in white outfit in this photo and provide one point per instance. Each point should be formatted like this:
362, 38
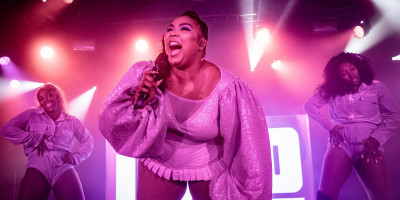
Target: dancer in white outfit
363, 117
47, 133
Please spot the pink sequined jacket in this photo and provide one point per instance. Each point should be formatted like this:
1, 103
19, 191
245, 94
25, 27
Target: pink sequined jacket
231, 110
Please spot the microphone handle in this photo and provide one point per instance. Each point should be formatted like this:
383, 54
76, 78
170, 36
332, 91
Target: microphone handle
142, 97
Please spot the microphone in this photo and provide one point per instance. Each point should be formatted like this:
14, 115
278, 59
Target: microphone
160, 62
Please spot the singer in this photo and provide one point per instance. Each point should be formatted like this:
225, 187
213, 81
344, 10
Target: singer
199, 126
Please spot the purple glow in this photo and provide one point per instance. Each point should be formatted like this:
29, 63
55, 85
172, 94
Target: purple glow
4, 60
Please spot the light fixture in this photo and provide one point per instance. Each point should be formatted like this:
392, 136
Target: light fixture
361, 29
4, 60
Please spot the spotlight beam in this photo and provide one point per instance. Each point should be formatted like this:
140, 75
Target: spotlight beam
80, 105
388, 24
254, 50
376, 34
7, 91
391, 10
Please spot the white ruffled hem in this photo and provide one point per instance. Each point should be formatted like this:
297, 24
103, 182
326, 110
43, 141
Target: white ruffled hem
200, 174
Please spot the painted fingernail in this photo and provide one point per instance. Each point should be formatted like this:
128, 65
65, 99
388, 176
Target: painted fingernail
362, 155
367, 159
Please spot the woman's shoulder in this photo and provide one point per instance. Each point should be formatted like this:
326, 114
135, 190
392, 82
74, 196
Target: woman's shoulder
227, 77
376, 84
230, 82
35, 110
31, 112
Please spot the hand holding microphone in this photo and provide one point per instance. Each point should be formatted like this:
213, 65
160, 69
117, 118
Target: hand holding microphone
148, 86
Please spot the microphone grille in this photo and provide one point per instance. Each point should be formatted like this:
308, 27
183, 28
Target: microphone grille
162, 60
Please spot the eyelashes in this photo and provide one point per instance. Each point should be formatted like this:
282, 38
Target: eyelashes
181, 28
185, 28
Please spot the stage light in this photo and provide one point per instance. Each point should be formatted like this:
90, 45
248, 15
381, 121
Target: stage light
10, 89
80, 105
358, 32
258, 40
258, 45
361, 30
141, 45
10, 69
255, 50
263, 35
396, 57
390, 10
27, 86
381, 30
68, 1
4, 60
23, 86
15, 83
47, 52
276, 64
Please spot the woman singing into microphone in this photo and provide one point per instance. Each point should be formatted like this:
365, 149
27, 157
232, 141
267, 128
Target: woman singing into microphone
199, 125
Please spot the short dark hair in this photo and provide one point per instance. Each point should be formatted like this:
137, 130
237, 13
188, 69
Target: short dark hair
203, 25
334, 85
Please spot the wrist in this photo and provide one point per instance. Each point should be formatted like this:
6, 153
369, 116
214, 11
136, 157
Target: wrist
375, 141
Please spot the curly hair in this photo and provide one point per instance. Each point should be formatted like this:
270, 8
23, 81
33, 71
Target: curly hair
334, 85
60, 95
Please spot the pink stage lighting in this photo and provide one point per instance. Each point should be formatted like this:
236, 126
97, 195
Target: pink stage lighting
47, 52
141, 45
263, 35
4, 60
358, 32
276, 64
80, 105
15, 88
361, 30
15, 83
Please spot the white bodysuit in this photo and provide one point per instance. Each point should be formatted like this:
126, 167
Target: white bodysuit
29, 127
